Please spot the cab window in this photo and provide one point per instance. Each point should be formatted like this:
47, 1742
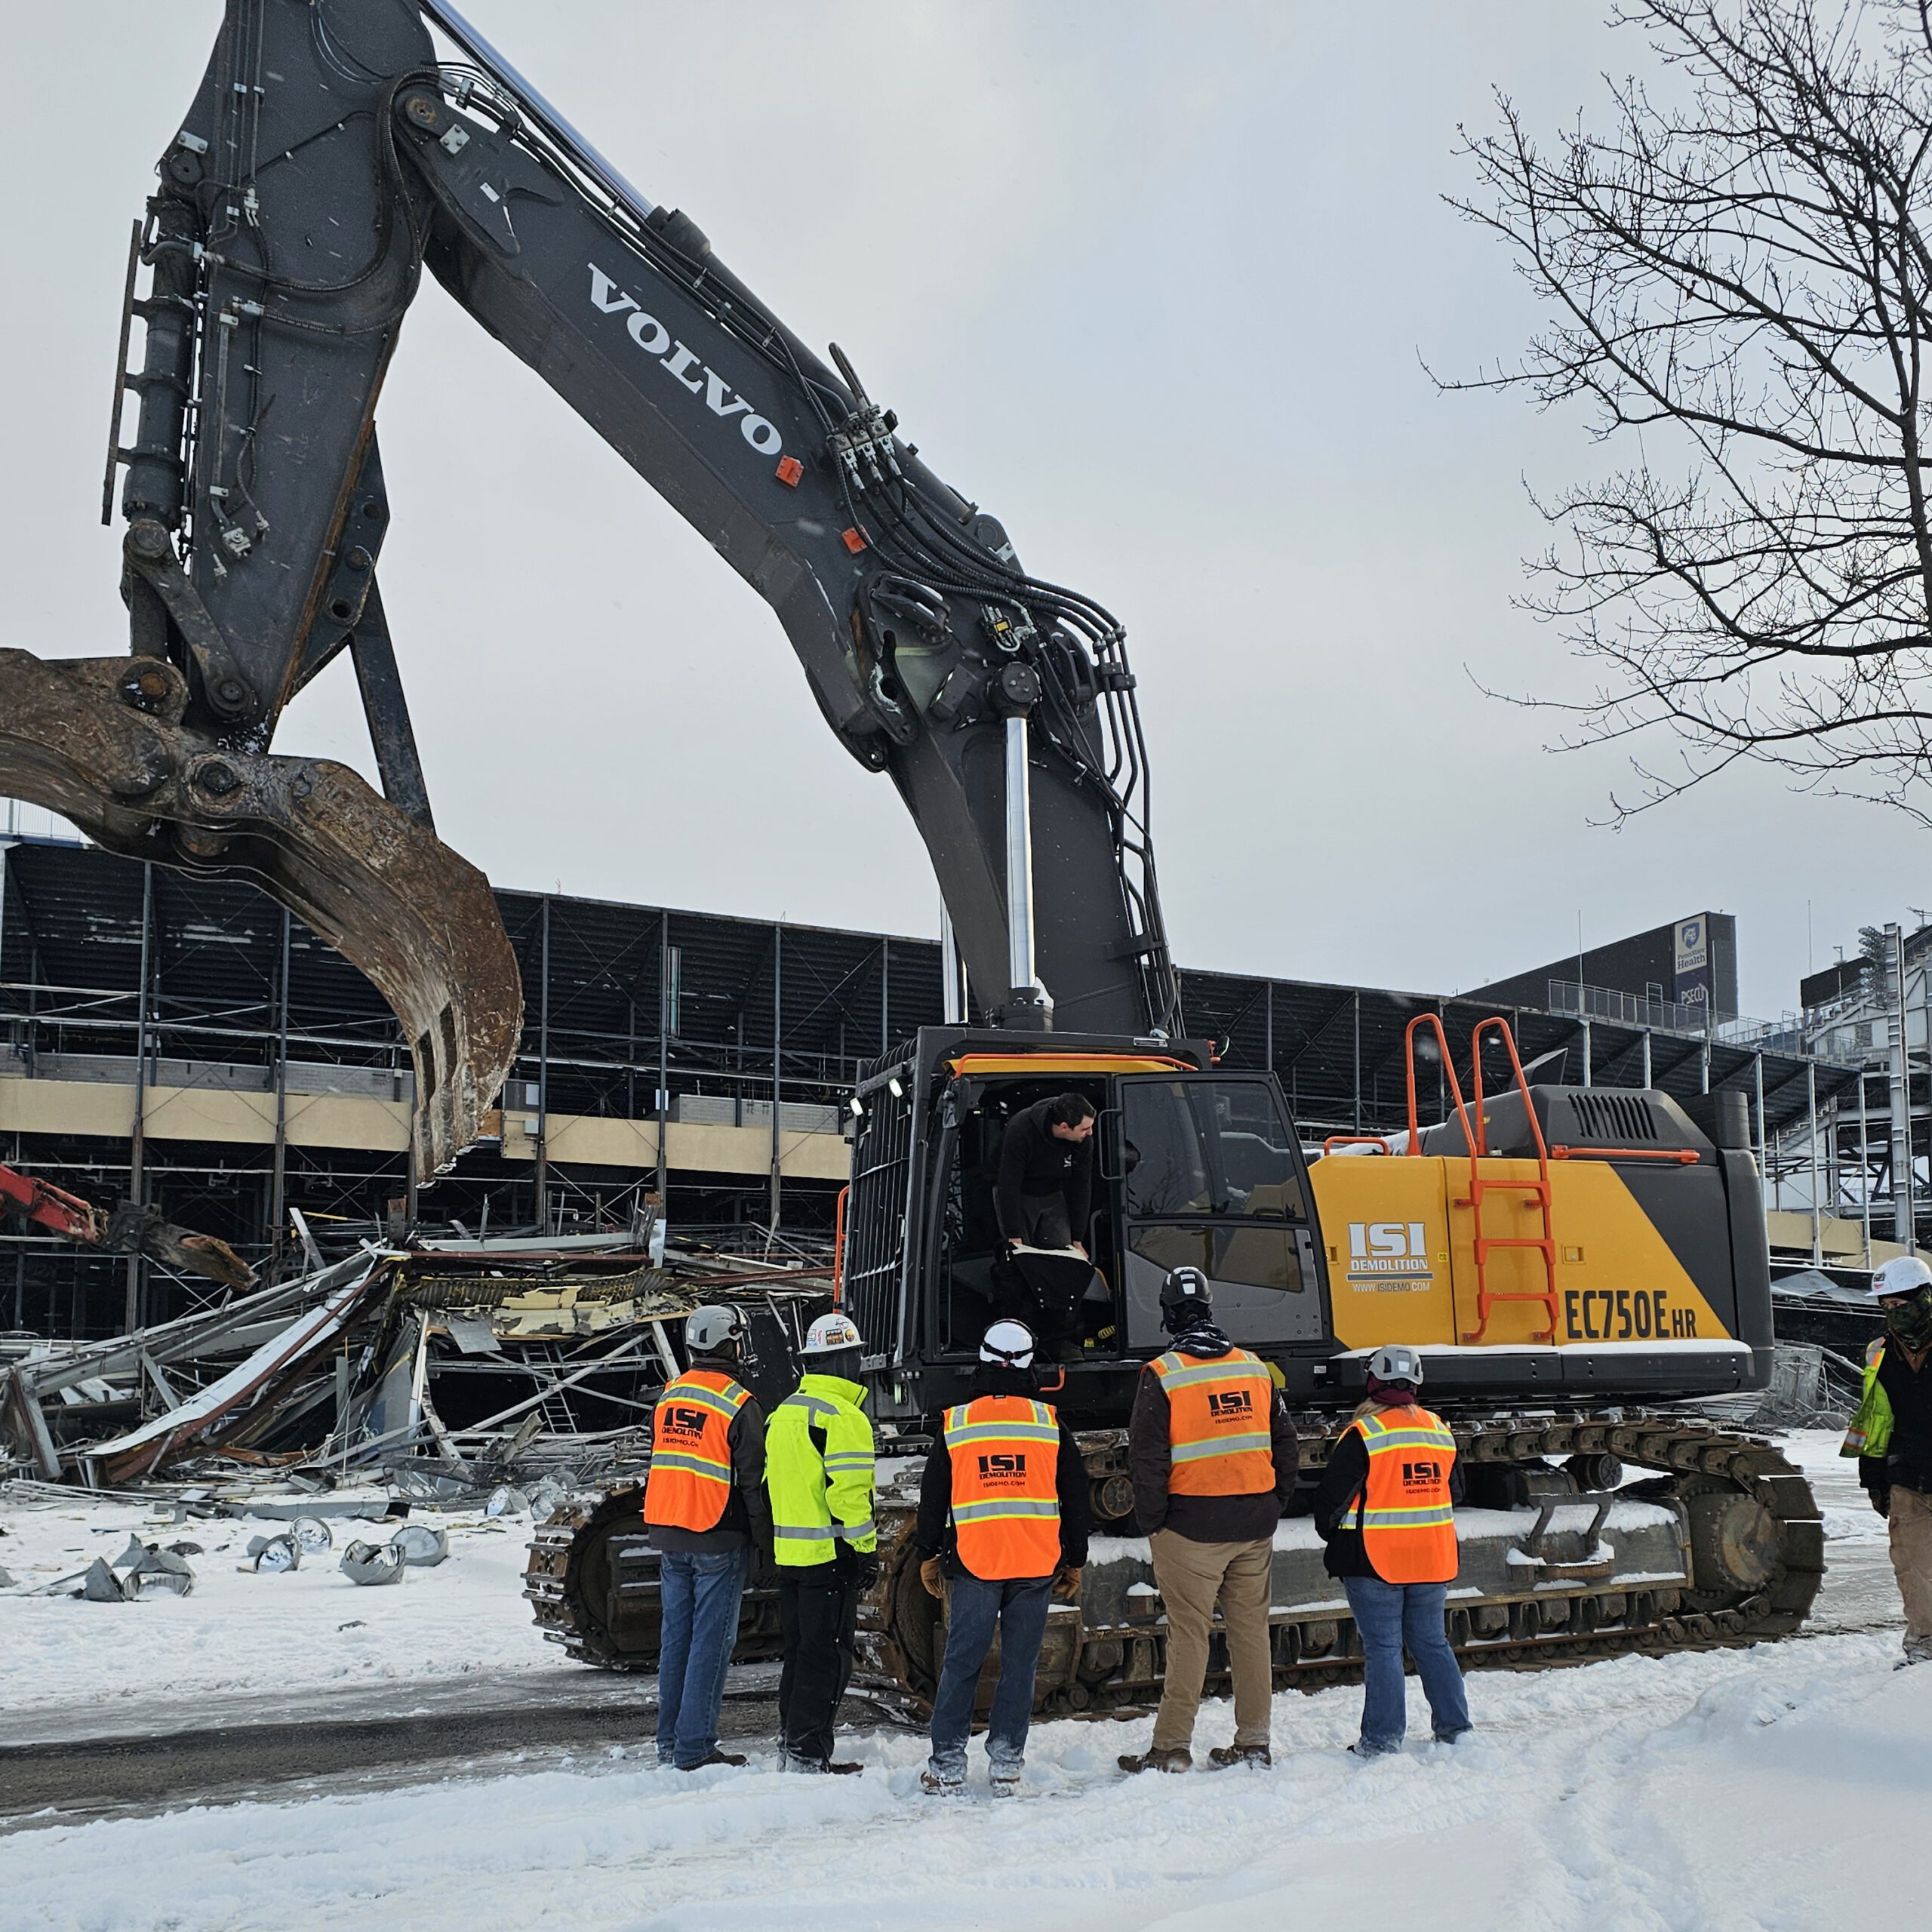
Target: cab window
1207, 1147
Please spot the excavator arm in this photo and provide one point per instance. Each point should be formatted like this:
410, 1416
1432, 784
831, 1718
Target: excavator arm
128, 1229
328, 157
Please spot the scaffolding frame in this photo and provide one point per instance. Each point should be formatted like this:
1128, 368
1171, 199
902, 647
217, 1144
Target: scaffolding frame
112, 967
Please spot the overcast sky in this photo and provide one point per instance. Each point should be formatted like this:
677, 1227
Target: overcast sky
1153, 282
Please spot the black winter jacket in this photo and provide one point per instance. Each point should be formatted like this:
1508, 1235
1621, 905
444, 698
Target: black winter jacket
1908, 1458
1341, 1482
933, 1532
747, 1517
1203, 1519
1034, 1161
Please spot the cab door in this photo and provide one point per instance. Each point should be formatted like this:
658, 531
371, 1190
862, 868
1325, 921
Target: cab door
1207, 1172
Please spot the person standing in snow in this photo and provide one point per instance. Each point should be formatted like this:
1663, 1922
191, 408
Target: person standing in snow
1006, 1480
1891, 1436
704, 1502
1385, 1508
1213, 1456
818, 1467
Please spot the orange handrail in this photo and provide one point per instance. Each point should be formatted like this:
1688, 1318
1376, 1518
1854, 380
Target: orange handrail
1686, 1156
1434, 1022
839, 1249
1545, 1243
1375, 1140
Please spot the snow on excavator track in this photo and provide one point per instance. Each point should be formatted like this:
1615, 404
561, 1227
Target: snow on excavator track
1718, 1544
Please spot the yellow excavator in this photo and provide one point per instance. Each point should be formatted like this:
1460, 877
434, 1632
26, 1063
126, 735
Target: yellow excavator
1575, 1264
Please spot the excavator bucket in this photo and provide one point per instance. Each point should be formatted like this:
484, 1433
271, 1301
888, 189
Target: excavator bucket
99, 741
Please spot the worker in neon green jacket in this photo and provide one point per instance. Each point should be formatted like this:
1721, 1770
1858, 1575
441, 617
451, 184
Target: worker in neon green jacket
818, 1472
1891, 1436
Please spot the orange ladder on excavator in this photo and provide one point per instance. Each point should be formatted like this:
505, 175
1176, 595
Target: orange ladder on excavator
1481, 1185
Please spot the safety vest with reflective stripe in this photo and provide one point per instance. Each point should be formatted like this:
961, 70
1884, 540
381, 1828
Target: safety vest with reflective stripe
1870, 1431
1005, 1453
820, 1497
1405, 1514
1219, 1442
690, 1483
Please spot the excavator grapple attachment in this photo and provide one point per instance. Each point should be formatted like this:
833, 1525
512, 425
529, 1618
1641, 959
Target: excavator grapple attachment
130, 1229
133, 1230
99, 741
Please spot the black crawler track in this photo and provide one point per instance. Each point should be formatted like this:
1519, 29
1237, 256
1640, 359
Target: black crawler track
1757, 1547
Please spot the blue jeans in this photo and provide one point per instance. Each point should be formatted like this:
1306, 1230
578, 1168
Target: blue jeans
700, 1593
1017, 1609
1390, 1616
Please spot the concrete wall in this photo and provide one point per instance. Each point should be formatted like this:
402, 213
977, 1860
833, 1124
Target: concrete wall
106, 1110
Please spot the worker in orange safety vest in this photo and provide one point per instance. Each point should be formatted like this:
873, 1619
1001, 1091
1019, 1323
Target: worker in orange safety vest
1212, 1457
1386, 1508
1004, 1495
704, 1502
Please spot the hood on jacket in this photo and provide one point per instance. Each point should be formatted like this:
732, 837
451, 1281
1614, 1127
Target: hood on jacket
833, 1385
1203, 1339
992, 1378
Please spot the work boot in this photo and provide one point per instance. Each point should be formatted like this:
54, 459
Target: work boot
1257, 1755
1006, 1784
717, 1757
1151, 1760
933, 1785
837, 1770
1917, 1649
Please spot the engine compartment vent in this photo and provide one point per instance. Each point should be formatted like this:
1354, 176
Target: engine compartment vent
1615, 1120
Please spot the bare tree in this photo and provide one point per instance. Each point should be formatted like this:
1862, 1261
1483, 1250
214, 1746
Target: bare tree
1739, 271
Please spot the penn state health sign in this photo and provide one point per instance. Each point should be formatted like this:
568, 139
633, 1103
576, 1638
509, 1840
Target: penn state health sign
1692, 981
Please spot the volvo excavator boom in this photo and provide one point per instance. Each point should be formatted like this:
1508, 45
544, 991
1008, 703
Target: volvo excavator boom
329, 155
333, 152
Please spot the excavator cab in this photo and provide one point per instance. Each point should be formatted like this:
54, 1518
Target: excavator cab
1191, 1166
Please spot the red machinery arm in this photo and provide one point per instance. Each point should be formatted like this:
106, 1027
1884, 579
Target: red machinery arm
47, 1207
128, 1230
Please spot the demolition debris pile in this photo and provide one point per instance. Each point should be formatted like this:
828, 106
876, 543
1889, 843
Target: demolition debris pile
448, 1370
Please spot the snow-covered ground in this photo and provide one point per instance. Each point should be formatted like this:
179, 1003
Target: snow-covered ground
312, 1630
1779, 1788
242, 1631
1782, 1788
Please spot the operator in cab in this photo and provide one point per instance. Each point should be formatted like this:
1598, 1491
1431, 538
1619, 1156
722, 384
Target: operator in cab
1214, 1457
1004, 1518
818, 1468
1386, 1508
1045, 1188
1891, 1436
704, 1502
1042, 1198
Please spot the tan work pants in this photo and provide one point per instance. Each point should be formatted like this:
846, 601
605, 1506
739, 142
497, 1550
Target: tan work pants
1911, 1522
1193, 1577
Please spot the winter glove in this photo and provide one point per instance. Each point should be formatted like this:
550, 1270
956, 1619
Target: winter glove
1067, 1585
765, 1570
866, 1569
1882, 1500
932, 1573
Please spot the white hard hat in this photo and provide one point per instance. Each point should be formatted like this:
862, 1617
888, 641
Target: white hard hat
1008, 1344
708, 1330
831, 1335
1396, 1364
1903, 1275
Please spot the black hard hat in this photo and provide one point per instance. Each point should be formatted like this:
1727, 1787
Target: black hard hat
1186, 1290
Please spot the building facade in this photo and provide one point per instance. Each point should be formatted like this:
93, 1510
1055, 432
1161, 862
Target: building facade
184, 1041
